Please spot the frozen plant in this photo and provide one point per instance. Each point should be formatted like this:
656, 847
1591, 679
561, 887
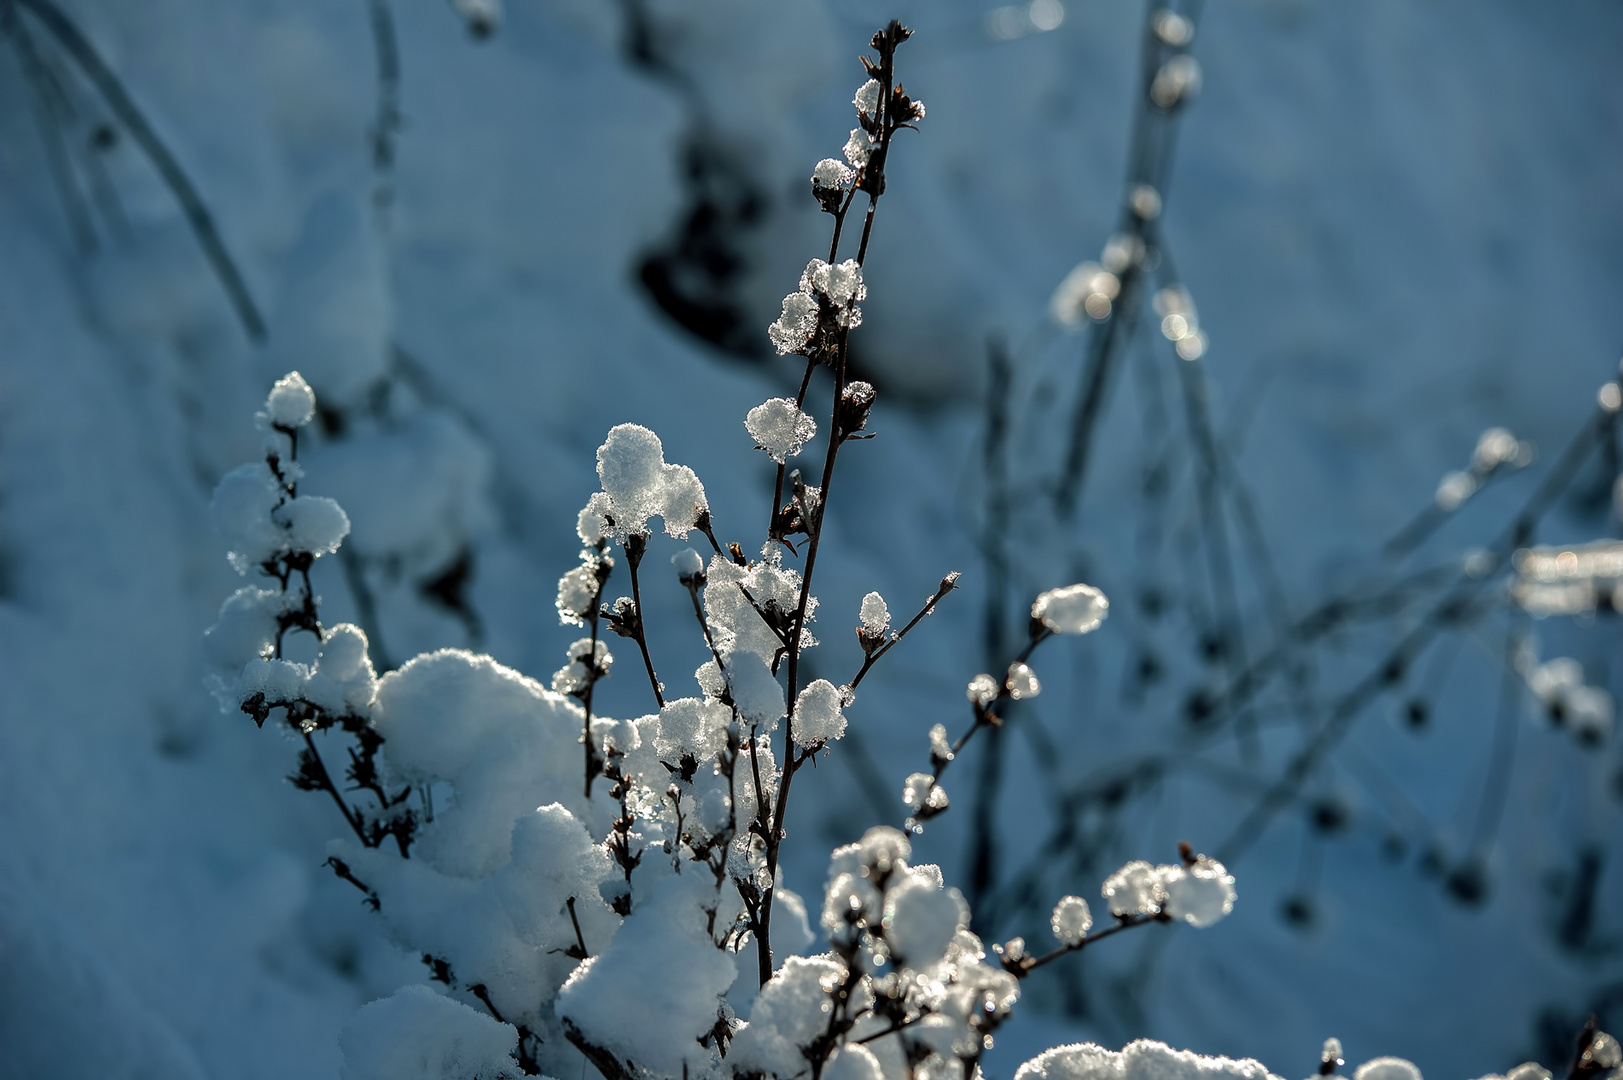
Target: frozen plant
572, 922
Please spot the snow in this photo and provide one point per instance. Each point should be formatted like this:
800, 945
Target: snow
1200, 894
1375, 341
796, 323
1141, 1060
1021, 682
696, 726
416, 1034
503, 744
1075, 609
312, 523
631, 466
779, 427
867, 97
689, 566
1387, 1068
790, 1012
819, 714
920, 919
1136, 889
1071, 920
661, 960
858, 147
874, 616
982, 690
291, 404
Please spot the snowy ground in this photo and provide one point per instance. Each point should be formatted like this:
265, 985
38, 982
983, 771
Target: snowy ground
1401, 226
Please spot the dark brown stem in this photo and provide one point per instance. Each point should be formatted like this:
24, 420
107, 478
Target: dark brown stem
948, 583
641, 636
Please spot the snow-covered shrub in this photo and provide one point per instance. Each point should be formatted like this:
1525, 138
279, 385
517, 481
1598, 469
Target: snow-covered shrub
641, 924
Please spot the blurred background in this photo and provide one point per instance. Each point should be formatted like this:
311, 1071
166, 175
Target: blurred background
487, 233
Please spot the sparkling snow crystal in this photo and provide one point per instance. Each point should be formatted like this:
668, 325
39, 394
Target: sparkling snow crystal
1135, 889
1075, 609
639, 485
875, 615
795, 325
818, 715
1071, 920
779, 427
867, 98
1022, 682
291, 404
1199, 894
858, 147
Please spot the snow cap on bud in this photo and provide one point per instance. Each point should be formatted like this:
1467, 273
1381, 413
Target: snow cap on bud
858, 147
923, 795
875, 615
291, 404
819, 717
1022, 682
1200, 893
867, 97
689, 566
780, 427
856, 400
1135, 889
1075, 609
982, 690
1071, 920
1330, 1058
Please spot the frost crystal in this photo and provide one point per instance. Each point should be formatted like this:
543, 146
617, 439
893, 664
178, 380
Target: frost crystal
921, 792
779, 427
1075, 609
1200, 894
818, 715
982, 690
1071, 920
574, 677
841, 283
940, 748
576, 590
867, 99
1022, 682
639, 485
592, 525
858, 147
831, 175
795, 325
875, 615
291, 404
1135, 889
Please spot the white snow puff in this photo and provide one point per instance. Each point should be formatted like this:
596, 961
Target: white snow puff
416, 1034
1071, 920
779, 427
1075, 609
875, 615
1141, 1060
818, 715
1199, 894
631, 465
291, 404
1387, 1068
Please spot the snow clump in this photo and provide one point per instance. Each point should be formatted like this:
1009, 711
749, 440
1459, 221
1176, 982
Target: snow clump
1200, 894
1075, 609
1071, 920
639, 484
819, 717
1143, 1058
291, 404
780, 427
875, 616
